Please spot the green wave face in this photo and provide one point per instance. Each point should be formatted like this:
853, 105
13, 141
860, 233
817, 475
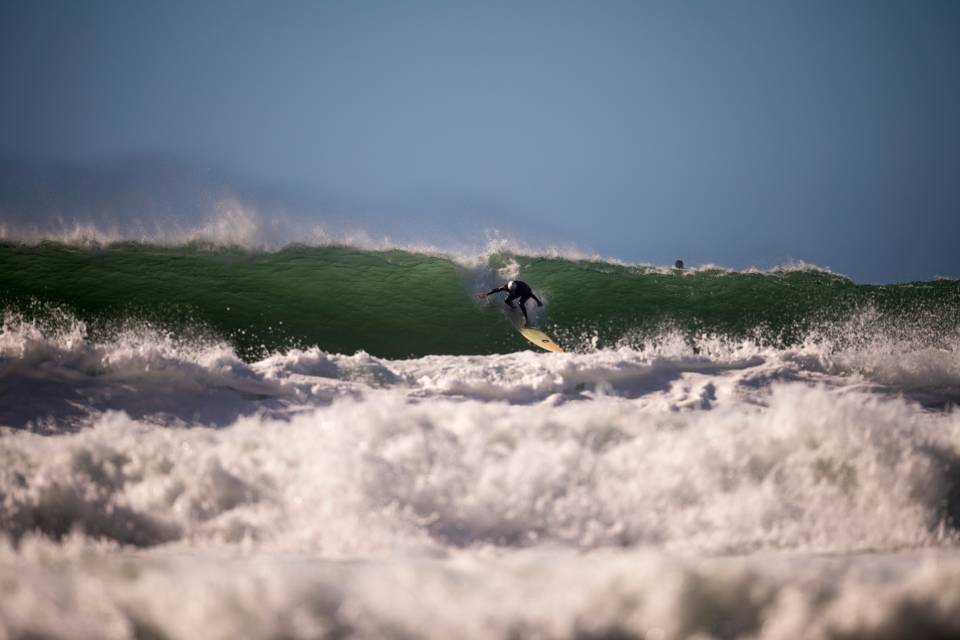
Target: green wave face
401, 304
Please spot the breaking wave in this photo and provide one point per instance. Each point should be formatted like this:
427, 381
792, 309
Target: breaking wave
335, 440
399, 304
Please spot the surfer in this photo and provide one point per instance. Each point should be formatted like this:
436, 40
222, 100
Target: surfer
517, 290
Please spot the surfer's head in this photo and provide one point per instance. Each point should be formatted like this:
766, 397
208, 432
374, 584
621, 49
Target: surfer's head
511, 286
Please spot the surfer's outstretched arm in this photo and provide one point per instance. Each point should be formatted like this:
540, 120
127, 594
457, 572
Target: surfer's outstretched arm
539, 301
497, 290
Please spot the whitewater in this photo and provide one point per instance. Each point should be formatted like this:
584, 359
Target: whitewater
210, 441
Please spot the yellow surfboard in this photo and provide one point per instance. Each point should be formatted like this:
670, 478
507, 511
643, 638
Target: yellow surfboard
539, 338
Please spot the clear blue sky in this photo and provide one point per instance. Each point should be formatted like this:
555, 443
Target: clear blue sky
741, 133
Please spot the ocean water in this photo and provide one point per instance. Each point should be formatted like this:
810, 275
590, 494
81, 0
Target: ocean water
213, 441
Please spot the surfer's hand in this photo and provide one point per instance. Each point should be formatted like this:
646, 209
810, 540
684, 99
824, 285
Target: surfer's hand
539, 304
480, 296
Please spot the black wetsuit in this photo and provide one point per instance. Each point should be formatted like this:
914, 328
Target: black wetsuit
521, 291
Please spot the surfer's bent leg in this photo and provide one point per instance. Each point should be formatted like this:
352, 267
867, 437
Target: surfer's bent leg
523, 307
509, 301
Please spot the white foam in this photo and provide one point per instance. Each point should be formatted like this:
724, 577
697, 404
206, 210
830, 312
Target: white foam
736, 491
87, 591
59, 378
807, 469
